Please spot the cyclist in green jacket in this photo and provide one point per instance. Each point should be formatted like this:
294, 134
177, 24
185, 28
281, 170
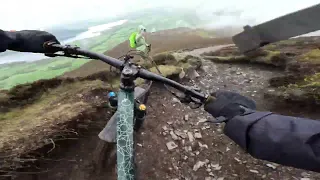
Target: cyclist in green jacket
138, 42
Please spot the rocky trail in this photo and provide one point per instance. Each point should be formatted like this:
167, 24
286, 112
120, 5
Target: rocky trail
176, 143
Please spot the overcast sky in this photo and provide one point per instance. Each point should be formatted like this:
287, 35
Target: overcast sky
27, 14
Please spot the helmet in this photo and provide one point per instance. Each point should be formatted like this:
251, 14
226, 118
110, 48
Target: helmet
142, 28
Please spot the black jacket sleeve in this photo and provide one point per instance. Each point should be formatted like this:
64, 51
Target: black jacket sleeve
6, 39
286, 140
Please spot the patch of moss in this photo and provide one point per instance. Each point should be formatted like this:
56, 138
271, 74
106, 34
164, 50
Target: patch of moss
227, 59
270, 47
288, 42
167, 70
275, 58
164, 59
303, 90
145, 64
312, 57
271, 55
180, 57
193, 61
115, 83
312, 81
184, 65
139, 81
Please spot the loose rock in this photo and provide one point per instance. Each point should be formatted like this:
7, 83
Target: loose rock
186, 117
254, 171
165, 128
205, 127
180, 134
190, 136
238, 160
216, 167
197, 135
171, 145
183, 142
175, 100
305, 174
202, 145
271, 166
188, 149
164, 133
198, 165
173, 135
202, 120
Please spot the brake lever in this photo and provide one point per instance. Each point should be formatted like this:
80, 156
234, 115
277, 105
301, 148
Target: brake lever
68, 51
63, 55
190, 101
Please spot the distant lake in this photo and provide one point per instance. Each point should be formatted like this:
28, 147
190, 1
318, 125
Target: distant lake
29, 57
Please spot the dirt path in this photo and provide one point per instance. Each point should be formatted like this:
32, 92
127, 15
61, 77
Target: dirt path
200, 150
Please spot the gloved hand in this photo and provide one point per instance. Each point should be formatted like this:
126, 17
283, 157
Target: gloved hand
228, 104
30, 40
148, 48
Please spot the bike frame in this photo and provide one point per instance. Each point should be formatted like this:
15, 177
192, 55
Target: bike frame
125, 130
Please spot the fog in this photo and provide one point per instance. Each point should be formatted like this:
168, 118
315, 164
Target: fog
23, 14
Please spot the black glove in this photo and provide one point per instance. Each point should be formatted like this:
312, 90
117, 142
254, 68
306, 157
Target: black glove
228, 104
30, 40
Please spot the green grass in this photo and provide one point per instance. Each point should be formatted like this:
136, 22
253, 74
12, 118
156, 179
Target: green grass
18, 73
29, 72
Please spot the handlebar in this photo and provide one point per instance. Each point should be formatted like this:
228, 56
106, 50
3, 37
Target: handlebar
142, 73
